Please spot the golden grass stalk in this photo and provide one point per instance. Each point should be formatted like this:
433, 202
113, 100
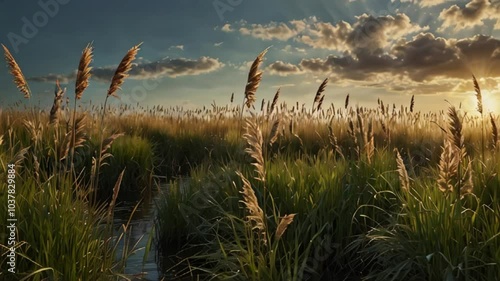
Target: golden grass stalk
273, 137
320, 103
254, 139
83, 74
254, 78
122, 70
479, 96
370, 143
283, 225
56, 106
106, 144
255, 214
467, 183
403, 174
20, 156
116, 190
75, 138
455, 128
16, 72
448, 166
320, 91
494, 132
412, 103
275, 101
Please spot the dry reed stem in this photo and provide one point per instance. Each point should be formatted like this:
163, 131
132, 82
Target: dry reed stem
83, 74
254, 78
122, 70
403, 174
283, 225
16, 72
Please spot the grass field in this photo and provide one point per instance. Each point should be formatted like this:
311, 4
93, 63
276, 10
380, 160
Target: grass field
269, 191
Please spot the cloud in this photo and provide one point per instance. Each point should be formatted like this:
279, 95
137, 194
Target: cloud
424, 3
179, 47
367, 33
280, 31
472, 14
227, 28
283, 68
150, 70
422, 59
52, 78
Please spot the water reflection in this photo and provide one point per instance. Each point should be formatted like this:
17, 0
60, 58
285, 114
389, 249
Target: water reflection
140, 228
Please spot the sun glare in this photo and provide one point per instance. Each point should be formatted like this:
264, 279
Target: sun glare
491, 102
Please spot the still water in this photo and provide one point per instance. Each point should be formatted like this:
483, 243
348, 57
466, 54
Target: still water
140, 231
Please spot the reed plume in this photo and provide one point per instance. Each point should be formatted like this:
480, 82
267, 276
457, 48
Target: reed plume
16, 72
346, 101
320, 91
255, 214
253, 137
403, 174
75, 138
19, 157
494, 132
412, 103
283, 225
84, 69
122, 71
56, 106
448, 166
479, 96
254, 78
275, 101
273, 137
116, 190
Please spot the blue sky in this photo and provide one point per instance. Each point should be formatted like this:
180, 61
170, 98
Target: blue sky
196, 52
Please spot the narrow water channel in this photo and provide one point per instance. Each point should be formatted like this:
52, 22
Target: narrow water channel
140, 227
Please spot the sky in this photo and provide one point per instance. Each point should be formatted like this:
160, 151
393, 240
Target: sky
196, 52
